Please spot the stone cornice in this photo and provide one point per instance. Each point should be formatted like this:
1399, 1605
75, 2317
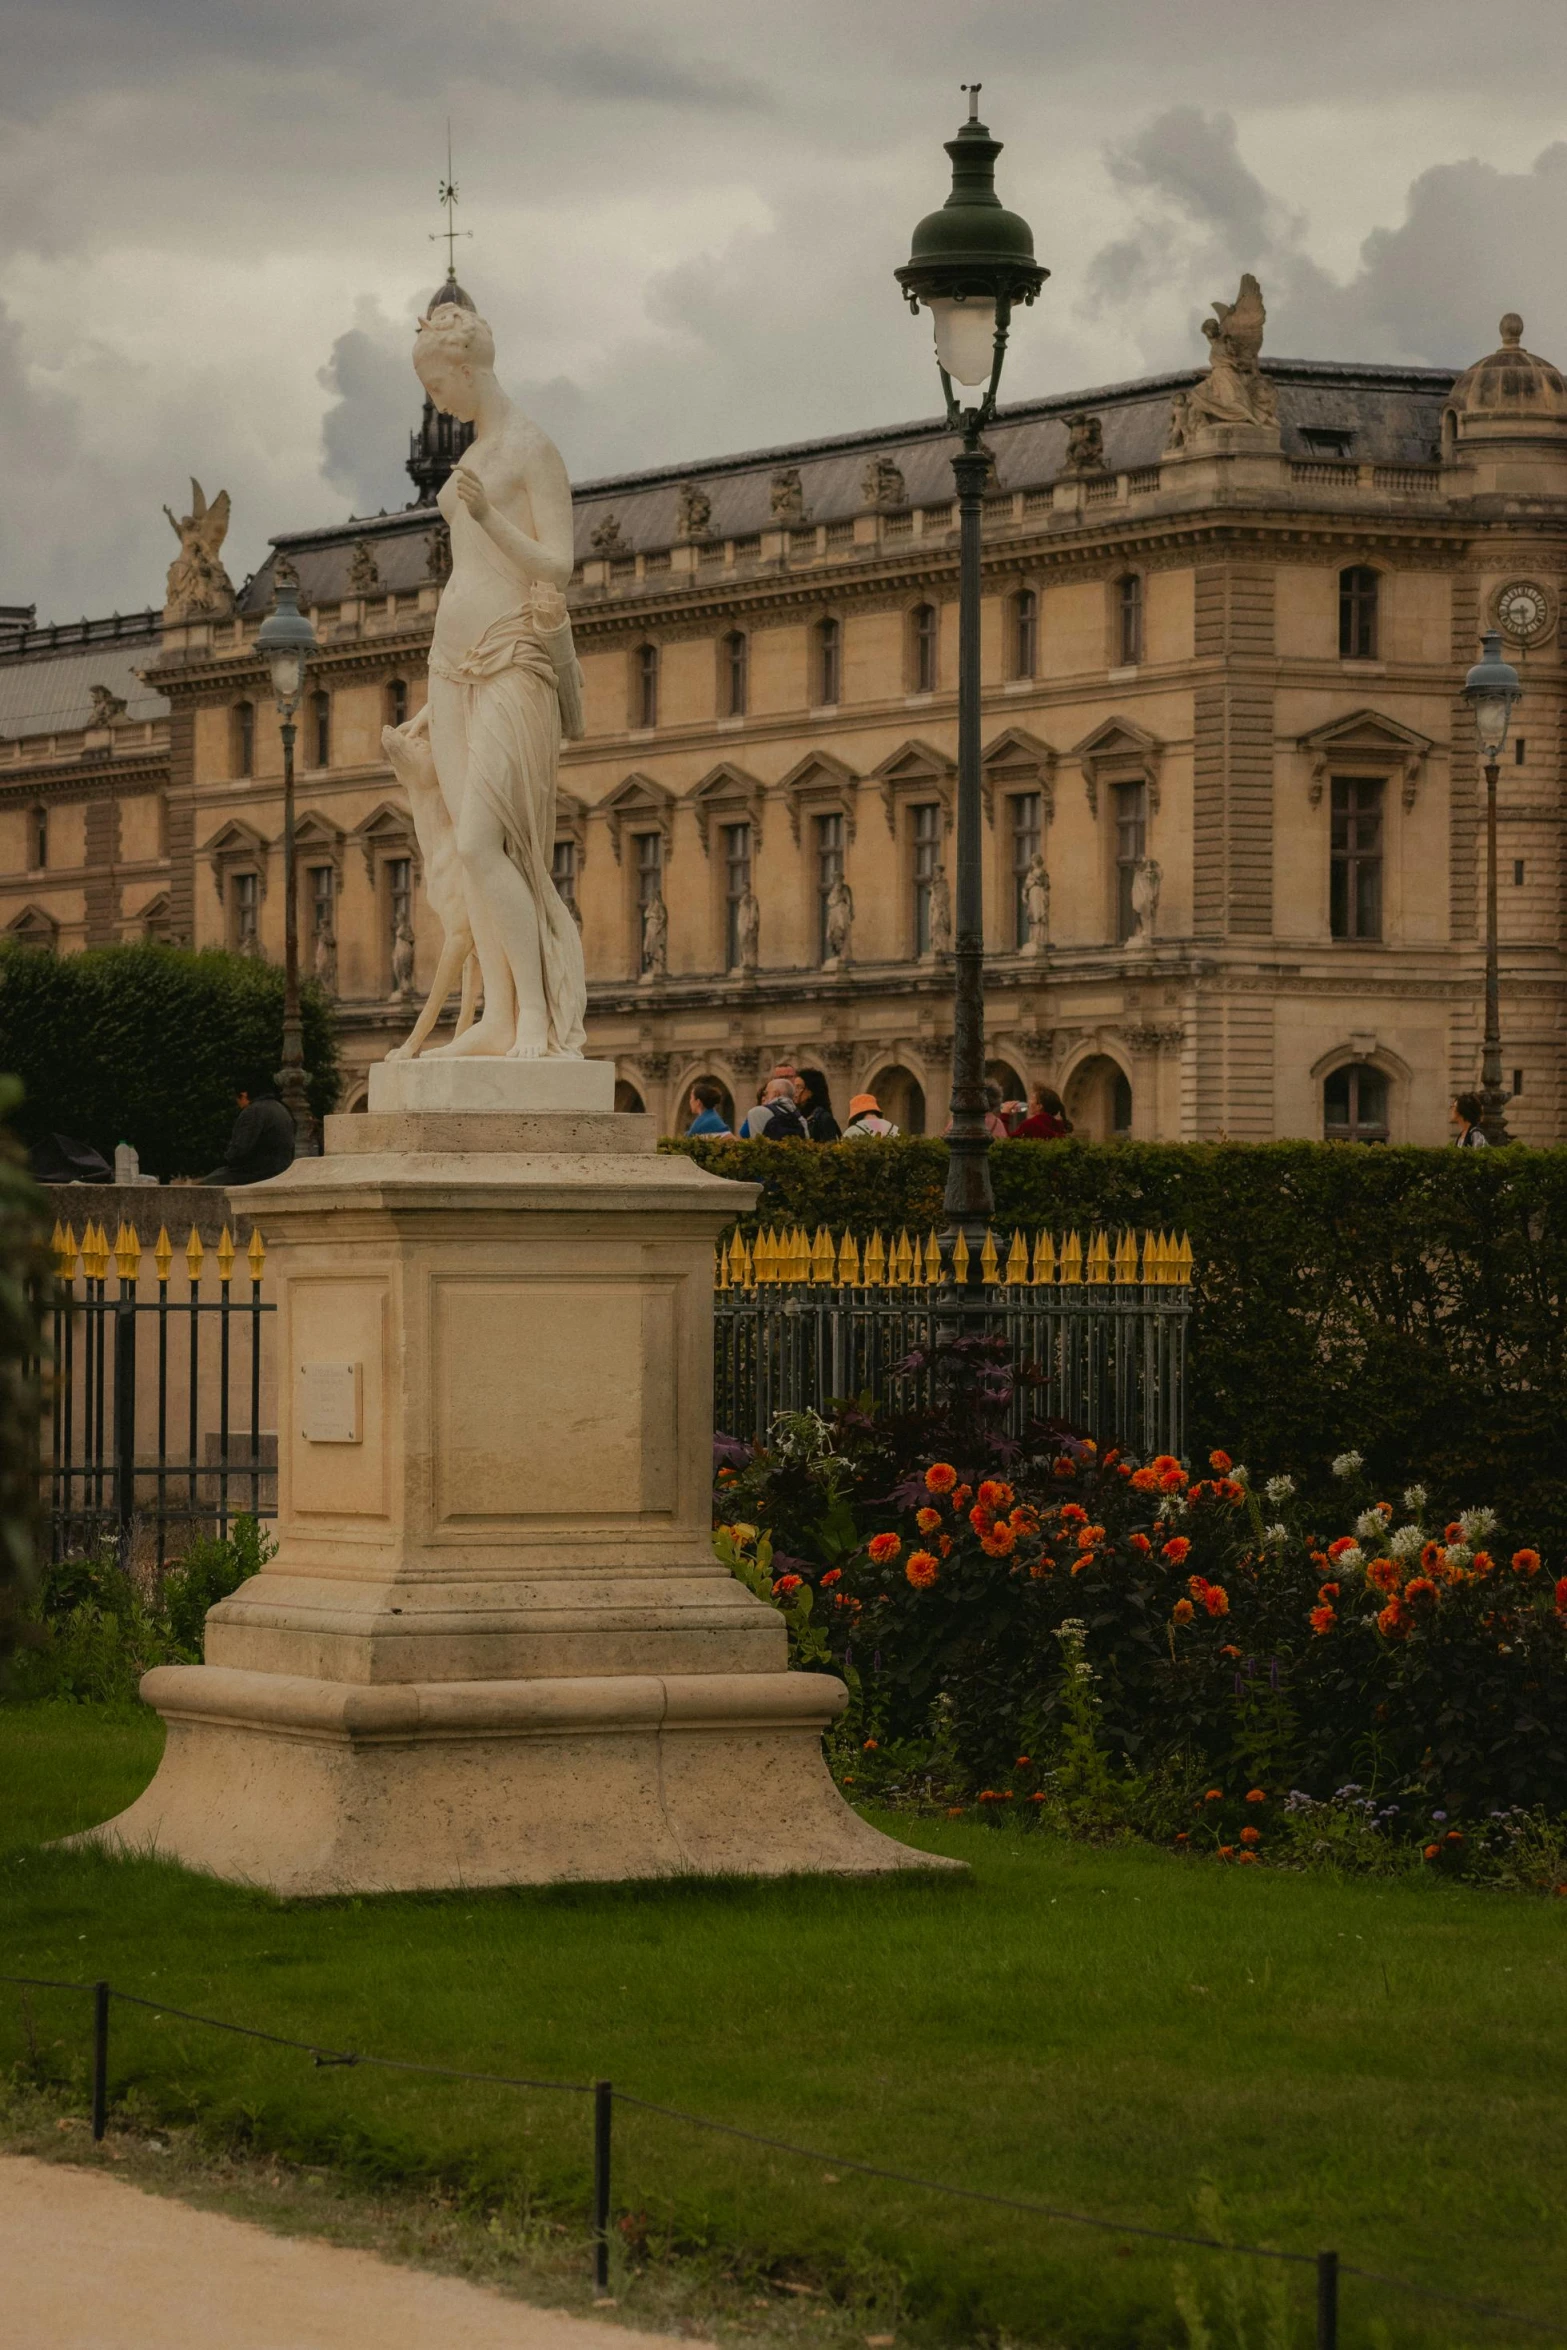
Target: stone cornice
80, 776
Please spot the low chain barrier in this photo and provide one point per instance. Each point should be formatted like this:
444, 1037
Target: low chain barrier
1097, 1333
1329, 2269
155, 1400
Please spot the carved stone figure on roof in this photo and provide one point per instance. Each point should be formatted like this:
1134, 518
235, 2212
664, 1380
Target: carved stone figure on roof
748, 929
788, 495
438, 553
881, 483
696, 510
1036, 904
364, 573
1085, 444
605, 538
106, 707
285, 571
198, 584
1234, 391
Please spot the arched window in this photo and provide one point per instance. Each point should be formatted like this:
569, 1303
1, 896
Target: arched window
1354, 1104
244, 742
1357, 613
397, 701
38, 837
627, 1096
1120, 1103
1129, 619
647, 685
321, 721
922, 622
734, 667
1025, 633
829, 662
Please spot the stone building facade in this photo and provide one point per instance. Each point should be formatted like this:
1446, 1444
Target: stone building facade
1234, 878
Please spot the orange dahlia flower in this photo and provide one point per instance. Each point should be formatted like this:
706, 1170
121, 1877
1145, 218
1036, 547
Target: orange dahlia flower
1384, 1574
940, 1477
884, 1548
1220, 1463
1323, 1619
921, 1570
1526, 1562
1251, 1835
1182, 1612
1177, 1550
996, 1494
927, 1520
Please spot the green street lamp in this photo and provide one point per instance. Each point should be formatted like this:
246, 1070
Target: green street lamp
971, 263
286, 641
1493, 692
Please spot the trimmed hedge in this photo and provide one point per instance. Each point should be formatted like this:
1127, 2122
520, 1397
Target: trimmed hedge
142, 1044
1410, 1305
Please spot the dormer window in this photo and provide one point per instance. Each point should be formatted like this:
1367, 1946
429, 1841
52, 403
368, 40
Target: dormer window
1333, 442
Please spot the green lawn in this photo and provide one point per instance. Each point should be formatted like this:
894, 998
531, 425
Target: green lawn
1372, 2067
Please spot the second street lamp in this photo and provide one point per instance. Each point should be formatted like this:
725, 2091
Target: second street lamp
971, 263
286, 640
1493, 693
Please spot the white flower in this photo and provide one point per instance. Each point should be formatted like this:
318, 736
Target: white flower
1276, 1534
1415, 1498
1240, 1474
1477, 1524
1347, 1464
1173, 1506
1458, 1556
1350, 1559
1279, 1489
1371, 1525
1405, 1543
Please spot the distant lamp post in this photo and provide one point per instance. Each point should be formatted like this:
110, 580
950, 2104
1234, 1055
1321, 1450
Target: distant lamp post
971, 262
286, 640
1493, 692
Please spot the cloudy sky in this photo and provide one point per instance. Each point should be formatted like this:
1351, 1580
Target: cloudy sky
214, 222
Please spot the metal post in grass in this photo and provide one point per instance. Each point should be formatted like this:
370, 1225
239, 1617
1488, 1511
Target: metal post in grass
603, 2116
100, 2060
1327, 2301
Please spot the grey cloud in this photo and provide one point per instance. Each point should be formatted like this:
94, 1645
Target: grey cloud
364, 432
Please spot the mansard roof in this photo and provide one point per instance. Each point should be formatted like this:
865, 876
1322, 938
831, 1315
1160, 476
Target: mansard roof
47, 674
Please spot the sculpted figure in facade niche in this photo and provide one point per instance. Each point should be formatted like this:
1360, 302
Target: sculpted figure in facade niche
748, 929
1036, 904
696, 510
788, 495
324, 958
364, 573
940, 913
402, 957
1234, 390
198, 583
839, 925
504, 681
1085, 444
655, 938
1145, 898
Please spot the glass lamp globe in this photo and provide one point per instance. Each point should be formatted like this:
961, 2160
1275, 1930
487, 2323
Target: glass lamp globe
965, 335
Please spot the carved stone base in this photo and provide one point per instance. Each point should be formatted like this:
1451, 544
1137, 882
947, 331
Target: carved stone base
319, 1787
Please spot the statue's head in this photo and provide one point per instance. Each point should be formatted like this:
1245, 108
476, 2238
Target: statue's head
452, 349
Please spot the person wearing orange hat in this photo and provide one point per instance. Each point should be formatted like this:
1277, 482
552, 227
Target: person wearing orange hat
866, 1123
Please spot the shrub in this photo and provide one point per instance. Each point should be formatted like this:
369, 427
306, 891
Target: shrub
99, 1626
1411, 1302
142, 1044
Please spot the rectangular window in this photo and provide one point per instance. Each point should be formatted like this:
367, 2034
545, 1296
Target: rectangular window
1025, 848
650, 869
735, 679
1355, 893
38, 838
925, 649
322, 880
1025, 642
829, 662
926, 819
397, 702
244, 907
737, 884
245, 739
1131, 620
829, 869
1518, 865
1131, 846
321, 712
647, 686
1357, 613
563, 872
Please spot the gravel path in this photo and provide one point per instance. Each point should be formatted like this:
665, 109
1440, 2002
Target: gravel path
91, 2263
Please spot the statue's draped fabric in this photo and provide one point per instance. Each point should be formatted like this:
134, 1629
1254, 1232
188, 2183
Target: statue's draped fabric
511, 714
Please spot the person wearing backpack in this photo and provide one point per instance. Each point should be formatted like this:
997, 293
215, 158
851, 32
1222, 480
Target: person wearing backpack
866, 1123
775, 1118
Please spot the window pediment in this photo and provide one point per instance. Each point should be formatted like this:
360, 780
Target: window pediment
1119, 752
728, 793
237, 845
821, 782
638, 805
386, 832
1017, 762
35, 926
1374, 745
319, 841
916, 771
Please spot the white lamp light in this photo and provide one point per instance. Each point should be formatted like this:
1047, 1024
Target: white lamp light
965, 335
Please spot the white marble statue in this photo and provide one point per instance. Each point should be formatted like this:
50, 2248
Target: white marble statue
940, 913
413, 764
1146, 878
655, 938
503, 684
1036, 903
840, 922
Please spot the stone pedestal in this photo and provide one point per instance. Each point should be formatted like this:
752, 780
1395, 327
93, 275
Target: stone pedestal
494, 1646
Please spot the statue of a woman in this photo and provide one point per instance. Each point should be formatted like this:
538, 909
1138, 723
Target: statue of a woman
500, 668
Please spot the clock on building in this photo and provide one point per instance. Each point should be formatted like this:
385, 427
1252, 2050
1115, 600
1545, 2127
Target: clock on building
1524, 611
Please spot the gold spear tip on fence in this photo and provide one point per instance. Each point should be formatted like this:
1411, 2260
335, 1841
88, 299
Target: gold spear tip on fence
256, 1255
225, 1253
95, 1251
195, 1255
1017, 1261
849, 1263
127, 1251
163, 1252
822, 1256
960, 1259
1072, 1259
875, 1264
1044, 1259
1183, 1272
989, 1269
65, 1253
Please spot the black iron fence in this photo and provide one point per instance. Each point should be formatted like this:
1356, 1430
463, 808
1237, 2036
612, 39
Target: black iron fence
1098, 1332
156, 1391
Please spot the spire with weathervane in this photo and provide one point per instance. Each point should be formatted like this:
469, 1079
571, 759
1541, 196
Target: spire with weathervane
440, 440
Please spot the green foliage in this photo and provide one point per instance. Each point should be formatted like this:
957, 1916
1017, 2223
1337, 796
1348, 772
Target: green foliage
99, 1626
142, 1044
23, 1271
1411, 1304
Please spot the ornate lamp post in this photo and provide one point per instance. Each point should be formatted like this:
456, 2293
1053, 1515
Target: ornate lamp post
970, 263
286, 640
1493, 692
